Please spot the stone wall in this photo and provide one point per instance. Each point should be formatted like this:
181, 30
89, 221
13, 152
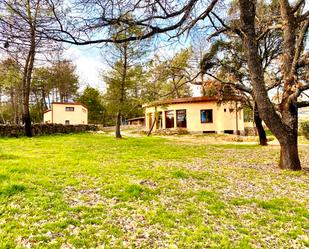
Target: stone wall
43, 129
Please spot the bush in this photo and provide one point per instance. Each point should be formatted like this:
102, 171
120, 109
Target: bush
171, 131
43, 129
305, 129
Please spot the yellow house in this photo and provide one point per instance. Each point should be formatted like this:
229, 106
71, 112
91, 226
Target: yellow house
196, 114
66, 113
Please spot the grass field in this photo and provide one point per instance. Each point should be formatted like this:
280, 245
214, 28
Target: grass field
91, 190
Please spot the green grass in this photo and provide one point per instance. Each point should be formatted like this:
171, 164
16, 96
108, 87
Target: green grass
91, 190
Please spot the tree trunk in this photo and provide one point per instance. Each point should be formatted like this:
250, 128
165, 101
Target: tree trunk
259, 127
45, 107
27, 123
27, 74
152, 125
283, 128
117, 127
289, 158
122, 91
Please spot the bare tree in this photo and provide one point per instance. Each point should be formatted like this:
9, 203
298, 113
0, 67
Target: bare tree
20, 22
92, 22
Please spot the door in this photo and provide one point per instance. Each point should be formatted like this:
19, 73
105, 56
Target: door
169, 119
181, 118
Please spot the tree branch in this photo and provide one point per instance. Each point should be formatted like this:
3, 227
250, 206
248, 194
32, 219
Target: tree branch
235, 85
303, 17
261, 36
302, 104
297, 5
299, 45
153, 30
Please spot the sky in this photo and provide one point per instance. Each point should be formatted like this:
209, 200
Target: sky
90, 62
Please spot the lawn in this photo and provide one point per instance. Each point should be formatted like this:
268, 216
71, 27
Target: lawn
91, 190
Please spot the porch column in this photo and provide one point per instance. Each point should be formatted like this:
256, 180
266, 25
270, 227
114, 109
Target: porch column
163, 120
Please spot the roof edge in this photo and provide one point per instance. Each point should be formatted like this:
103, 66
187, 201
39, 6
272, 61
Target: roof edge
190, 100
69, 103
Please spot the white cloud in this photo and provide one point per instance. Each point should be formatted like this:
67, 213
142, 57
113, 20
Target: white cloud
89, 65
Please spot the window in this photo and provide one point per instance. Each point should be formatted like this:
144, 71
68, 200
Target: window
69, 109
67, 122
206, 116
169, 119
224, 109
181, 118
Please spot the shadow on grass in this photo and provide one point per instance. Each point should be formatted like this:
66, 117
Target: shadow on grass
13, 189
8, 157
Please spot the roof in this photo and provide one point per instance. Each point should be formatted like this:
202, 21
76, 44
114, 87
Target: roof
189, 100
137, 118
46, 111
69, 103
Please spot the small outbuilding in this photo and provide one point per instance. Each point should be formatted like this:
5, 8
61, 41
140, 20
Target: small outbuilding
66, 113
136, 121
196, 114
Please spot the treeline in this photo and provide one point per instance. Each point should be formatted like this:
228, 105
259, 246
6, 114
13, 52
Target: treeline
54, 83
145, 81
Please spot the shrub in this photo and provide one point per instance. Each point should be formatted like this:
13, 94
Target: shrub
43, 129
171, 131
305, 129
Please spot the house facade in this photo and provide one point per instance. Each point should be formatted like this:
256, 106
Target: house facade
66, 113
196, 114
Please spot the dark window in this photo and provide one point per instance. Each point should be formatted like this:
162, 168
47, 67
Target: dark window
69, 109
169, 119
224, 109
206, 132
67, 122
181, 118
206, 116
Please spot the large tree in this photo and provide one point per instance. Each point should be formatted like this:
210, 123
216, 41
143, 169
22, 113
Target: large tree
92, 98
64, 79
282, 121
123, 59
225, 62
168, 78
10, 84
20, 26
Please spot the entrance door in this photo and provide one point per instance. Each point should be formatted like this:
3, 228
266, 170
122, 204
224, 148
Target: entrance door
169, 119
181, 118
